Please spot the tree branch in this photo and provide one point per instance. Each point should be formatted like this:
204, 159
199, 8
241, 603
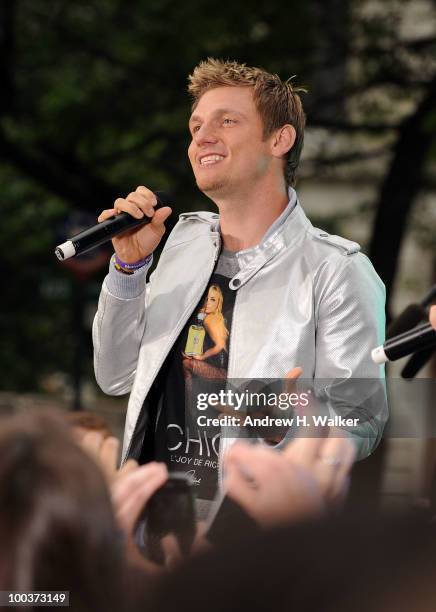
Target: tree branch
400, 187
7, 54
381, 80
344, 126
68, 179
346, 158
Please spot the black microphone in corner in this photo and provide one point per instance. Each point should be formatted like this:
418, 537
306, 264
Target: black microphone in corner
408, 319
417, 339
103, 232
411, 315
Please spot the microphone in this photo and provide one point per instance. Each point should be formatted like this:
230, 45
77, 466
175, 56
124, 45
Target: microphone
408, 319
411, 316
417, 339
103, 232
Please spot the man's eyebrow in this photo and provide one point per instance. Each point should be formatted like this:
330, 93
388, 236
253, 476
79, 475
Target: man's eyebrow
218, 111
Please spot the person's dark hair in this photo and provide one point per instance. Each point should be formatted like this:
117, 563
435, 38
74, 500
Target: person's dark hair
57, 528
338, 565
88, 421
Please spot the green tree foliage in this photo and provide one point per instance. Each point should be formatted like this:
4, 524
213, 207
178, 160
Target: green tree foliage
94, 103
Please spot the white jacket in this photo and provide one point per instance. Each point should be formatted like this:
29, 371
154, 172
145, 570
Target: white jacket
304, 298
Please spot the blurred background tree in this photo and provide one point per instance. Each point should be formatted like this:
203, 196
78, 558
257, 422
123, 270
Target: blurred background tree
93, 103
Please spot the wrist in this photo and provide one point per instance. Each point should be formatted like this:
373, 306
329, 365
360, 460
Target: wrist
130, 267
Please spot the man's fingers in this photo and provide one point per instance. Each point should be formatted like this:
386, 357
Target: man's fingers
254, 463
129, 466
303, 451
433, 316
129, 511
138, 203
142, 203
131, 481
107, 214
328, 459
346, 465
134, 204
129, 504
294, 373
240, 452
171, 550
109, 456
129, 207
161, 215
91, 443
333, 467
290, 379
341, 448
147, 193
239, 488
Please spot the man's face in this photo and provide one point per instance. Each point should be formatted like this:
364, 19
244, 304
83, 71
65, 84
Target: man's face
228, 153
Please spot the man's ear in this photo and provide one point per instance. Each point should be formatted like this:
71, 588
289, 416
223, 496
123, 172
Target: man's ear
283, 140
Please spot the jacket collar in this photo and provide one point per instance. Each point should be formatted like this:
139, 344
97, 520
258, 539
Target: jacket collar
287, 230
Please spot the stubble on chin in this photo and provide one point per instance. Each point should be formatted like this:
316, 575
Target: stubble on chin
212, 187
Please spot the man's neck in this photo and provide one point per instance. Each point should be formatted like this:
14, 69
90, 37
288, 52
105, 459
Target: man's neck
245, 218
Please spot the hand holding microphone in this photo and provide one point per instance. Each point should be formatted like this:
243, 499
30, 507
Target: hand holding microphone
137, 243
135, 224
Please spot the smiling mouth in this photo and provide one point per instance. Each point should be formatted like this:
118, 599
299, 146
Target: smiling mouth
209, 160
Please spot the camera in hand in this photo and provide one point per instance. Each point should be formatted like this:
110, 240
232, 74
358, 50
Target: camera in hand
170, 511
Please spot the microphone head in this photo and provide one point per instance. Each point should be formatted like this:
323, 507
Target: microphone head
378, 355
65, 250
411, 316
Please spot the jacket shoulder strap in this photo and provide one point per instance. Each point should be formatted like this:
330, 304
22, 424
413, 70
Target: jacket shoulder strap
347, 247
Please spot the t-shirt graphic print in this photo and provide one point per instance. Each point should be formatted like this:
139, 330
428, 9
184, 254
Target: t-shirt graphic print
197, 362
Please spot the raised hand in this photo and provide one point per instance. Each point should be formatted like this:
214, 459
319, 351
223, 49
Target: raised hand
135, 244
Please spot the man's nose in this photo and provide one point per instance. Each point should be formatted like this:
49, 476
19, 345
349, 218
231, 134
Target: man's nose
205, 134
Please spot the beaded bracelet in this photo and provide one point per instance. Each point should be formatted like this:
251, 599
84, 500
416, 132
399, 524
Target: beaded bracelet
129, 268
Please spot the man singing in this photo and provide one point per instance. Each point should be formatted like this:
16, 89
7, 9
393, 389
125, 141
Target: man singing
252, 292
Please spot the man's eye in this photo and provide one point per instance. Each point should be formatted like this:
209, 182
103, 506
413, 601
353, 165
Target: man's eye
195, 128
227, 121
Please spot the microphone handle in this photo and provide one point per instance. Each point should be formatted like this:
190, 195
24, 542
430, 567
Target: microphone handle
93, 238
407, 320
413, 333
422, 338
98, 234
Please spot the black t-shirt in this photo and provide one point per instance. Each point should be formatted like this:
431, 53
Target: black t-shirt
197, 362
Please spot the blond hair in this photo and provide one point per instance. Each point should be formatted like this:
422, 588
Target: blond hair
218, 314
277, 101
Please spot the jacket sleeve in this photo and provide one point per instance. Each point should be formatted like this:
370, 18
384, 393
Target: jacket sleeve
118, 329
350, 322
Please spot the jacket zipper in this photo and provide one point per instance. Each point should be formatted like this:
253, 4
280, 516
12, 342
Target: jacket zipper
221, 451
